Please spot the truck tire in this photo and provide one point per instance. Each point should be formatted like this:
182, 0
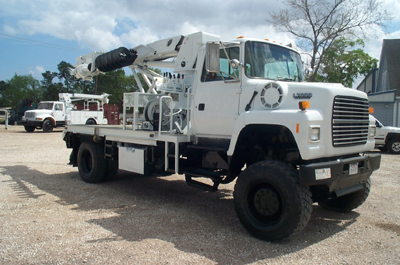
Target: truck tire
90, 122
394, 146
270, 202
30, 128
91, 162
347, 203
47, 126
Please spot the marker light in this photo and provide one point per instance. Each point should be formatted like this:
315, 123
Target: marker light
372, 132
371, 110
303, 105
315, 132
240, 37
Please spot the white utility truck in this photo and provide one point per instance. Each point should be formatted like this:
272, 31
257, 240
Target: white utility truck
236, 109
51, 114
387, 138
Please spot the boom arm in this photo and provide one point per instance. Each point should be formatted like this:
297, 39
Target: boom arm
68, 98
183, 49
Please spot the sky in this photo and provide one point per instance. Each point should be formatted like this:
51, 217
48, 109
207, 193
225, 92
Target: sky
36, 35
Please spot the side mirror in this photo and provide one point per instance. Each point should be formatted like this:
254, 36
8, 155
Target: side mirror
309, 72
212, 57
235, 63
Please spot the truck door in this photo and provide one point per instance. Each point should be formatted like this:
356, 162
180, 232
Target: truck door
380, 133
58, 113
216, 99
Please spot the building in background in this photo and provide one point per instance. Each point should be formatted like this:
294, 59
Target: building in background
383, 85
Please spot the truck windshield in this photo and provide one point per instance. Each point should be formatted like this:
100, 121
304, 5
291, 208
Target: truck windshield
270, 61
44, 105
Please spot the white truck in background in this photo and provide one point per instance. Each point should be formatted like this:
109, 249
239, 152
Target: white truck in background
387, 138
232, 110
51, 114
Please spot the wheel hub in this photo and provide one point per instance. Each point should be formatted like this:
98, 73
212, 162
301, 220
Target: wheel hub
266, 202
396, 146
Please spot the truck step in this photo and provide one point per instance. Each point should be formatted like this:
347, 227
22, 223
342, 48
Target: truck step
216, 177
200, 185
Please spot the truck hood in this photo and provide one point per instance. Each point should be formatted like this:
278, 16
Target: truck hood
392, 129
38, 112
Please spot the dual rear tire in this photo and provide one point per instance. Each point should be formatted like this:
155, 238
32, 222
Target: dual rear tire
92, 165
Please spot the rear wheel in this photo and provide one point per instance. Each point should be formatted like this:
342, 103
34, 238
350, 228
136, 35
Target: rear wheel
394, 146
270, 202
347, 203
47, 126
91, 162
90, 122
30, 128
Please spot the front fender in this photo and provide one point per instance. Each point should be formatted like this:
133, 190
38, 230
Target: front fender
51, 119
297, 121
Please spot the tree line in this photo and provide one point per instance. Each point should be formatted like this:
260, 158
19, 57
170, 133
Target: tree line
21, 90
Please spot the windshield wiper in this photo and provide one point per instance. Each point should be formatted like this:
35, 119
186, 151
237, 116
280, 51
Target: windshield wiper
280, 78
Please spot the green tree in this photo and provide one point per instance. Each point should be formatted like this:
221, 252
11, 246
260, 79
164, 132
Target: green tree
117, 83
343, 64
317, 24
18, 88
51, 89
4, 86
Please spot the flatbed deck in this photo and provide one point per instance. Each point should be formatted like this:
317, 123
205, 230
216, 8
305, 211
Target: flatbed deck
127, 135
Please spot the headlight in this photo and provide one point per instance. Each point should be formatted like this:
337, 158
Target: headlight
315, 133
372, 132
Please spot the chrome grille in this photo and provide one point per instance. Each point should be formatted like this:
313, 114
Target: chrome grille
350, 121
29, 115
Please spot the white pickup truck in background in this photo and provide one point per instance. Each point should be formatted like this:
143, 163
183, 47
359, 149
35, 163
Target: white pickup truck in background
387, 138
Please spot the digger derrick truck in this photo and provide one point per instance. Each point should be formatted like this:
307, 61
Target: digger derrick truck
51, 114
237, 110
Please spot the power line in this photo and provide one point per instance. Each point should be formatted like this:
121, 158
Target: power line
41, 43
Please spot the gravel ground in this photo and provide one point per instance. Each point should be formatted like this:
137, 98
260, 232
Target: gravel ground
49, 216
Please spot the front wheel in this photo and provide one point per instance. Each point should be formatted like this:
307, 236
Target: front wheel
91, 162
270, 202
47, 126
30, 128
347, 203
394, 146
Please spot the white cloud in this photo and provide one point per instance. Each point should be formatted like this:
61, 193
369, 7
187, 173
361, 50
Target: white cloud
140, 35
37, 71
103, 25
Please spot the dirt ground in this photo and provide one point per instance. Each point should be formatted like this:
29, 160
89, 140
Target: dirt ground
49, 216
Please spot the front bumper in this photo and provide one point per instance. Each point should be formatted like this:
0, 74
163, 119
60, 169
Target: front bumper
341, 173
30, 123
